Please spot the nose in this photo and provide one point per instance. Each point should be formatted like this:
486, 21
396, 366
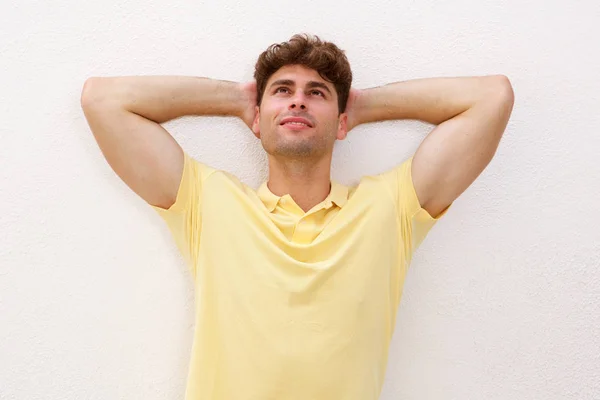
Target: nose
298, 101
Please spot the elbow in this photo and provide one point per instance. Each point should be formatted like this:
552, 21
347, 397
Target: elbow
88, 93
498, 93
94, 91
502, 89
505, 99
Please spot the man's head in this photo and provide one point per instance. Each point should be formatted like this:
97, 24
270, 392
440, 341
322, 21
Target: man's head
307, 79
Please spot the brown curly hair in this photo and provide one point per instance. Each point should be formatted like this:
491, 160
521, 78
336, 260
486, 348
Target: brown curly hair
312, 52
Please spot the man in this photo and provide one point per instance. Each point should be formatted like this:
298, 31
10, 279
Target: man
297, 283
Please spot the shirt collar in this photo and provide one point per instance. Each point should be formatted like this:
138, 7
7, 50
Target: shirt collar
338, 195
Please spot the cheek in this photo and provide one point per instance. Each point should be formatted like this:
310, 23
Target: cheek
266, 116
329, 124
269, 119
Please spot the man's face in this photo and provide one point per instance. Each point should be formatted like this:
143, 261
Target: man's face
295, 91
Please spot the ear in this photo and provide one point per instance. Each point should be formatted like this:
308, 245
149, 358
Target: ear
342, 127
256, 122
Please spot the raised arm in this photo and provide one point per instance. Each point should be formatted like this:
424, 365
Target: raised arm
471, 114
125, 113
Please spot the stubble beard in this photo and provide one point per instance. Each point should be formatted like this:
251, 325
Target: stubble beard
299, 147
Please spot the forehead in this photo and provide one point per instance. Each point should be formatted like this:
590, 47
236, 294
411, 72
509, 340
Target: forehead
300, 75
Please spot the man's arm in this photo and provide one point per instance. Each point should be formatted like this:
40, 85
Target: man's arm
125, 113
471, 114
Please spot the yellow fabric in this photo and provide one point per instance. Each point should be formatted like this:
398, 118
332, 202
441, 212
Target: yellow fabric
293, 305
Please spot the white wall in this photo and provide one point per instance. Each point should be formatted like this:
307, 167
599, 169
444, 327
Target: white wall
503, 298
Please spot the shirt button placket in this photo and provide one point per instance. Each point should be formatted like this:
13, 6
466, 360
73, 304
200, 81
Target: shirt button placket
303, 231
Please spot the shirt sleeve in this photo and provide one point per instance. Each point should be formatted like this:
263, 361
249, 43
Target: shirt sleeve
414, 222
184, 217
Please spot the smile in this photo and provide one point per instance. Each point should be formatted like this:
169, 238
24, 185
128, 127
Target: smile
295, 125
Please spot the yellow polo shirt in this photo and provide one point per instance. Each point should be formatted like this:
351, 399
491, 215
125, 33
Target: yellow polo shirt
293, 305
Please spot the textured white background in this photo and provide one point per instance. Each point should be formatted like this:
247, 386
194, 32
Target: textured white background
503, 298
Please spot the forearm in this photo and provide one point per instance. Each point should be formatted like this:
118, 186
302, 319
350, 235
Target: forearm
163, 98
432, 100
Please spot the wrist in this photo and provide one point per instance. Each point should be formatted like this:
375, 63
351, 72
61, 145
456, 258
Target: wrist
363, 110
238, 97
384, 103
246, 103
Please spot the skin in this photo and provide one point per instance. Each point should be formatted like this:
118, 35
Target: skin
299, 159
470, 115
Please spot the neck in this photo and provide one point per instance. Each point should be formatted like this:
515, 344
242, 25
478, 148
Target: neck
307, 181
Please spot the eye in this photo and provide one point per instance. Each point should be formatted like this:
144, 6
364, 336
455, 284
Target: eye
280, 88
319, 92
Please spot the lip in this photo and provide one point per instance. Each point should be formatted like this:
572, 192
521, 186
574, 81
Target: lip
295, 127
296, 119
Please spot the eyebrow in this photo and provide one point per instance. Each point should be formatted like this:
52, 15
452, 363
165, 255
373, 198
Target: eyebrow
310, 84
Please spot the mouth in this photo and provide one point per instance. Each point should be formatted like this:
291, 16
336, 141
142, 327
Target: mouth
296, 122
295, 126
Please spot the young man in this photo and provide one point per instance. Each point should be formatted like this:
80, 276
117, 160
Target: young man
298, 282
